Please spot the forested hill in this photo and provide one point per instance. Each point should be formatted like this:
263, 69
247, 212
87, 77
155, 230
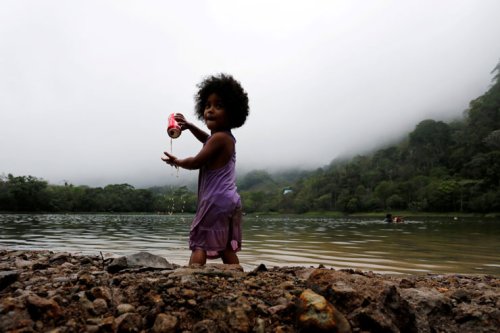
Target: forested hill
439, 167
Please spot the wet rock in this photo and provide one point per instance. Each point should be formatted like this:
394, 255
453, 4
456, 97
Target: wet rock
165, 323
7, 278
316, 314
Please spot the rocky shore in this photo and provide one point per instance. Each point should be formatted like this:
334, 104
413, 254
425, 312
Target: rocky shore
42, 291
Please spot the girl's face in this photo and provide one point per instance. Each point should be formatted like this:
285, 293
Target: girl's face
215, 114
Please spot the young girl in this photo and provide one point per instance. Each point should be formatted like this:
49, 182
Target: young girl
216, 229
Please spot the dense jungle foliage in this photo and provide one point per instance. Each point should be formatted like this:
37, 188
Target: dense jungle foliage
439, 167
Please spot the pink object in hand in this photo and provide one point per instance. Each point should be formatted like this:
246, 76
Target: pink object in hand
173, 130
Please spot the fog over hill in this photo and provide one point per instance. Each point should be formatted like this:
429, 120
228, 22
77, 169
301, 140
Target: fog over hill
86, 87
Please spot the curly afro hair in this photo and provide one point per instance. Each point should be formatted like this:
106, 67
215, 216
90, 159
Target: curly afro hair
231, 92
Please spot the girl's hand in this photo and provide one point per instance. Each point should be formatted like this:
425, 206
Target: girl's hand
169, 159
181, 120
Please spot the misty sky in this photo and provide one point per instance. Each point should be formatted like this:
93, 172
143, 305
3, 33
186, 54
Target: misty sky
86, 86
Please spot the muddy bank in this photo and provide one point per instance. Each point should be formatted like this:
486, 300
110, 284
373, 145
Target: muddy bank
42, 291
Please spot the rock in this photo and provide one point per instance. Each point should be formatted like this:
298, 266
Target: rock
165, 323
21, 263
59, 258
462, 295
141, 259
125, 308
316, 314
11, 318
205, 326
107, 324
260, 268
237, 315
128, 322
277, 308
118, 264
84, 278
7, 278
100, 306
41, 308
260, 326
38, 266
101, 292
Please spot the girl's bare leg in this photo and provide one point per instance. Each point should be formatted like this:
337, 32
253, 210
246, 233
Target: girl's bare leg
229, 256
198, 257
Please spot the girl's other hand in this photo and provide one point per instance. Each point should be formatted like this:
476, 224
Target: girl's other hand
169, 159
181, 120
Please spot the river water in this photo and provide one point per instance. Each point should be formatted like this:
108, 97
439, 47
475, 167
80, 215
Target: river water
418, 246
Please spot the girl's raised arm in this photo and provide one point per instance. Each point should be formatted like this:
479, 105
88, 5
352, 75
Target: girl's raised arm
197, 132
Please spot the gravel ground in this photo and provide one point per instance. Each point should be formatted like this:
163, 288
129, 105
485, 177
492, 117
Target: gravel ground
43, 291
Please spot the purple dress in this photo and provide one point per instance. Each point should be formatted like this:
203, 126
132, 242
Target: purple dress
217, 223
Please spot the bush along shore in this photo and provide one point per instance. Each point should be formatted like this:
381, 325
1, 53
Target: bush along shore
43, 291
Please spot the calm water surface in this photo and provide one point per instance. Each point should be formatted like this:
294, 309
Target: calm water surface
417, 246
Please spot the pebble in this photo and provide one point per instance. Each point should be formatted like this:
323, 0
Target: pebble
125, 308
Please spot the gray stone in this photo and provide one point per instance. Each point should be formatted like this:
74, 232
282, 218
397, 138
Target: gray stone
139, 260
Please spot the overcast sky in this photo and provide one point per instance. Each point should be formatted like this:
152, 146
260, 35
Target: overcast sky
86, 86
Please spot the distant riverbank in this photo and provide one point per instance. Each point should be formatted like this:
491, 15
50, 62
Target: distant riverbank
381, 215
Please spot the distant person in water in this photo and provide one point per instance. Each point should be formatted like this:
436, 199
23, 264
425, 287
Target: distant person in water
222, 103
395, 219
398, 219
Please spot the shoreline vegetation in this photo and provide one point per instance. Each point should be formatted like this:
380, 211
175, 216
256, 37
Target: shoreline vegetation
45, 291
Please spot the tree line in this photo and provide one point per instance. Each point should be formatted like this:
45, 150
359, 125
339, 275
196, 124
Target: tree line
438, 167
30, 194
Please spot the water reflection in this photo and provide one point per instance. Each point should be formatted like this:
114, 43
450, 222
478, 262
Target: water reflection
418, 246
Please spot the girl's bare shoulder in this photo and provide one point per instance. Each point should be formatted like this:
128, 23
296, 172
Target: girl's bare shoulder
222, 137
